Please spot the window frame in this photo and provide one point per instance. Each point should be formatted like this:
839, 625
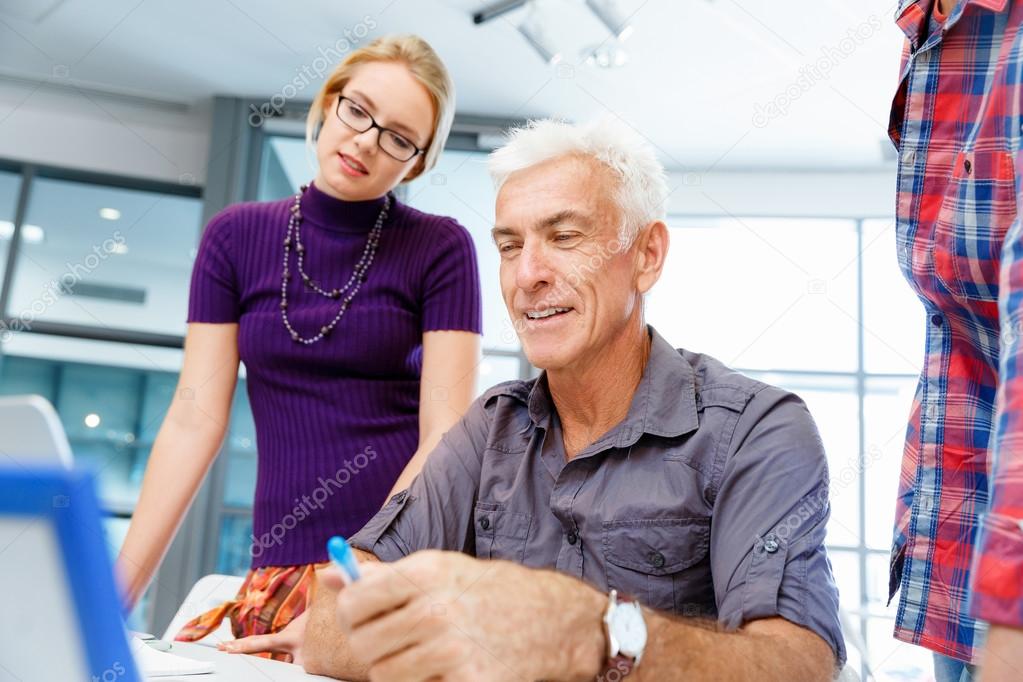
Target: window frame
864, 616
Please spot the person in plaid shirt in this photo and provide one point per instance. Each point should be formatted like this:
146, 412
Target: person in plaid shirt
957, 555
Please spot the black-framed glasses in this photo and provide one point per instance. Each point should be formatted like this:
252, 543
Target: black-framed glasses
395, 145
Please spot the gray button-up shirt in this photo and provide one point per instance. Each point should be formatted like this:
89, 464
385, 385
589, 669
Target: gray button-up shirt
710, 498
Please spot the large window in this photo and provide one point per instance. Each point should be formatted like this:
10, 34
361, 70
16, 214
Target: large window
98, 258
105, 256
820, 308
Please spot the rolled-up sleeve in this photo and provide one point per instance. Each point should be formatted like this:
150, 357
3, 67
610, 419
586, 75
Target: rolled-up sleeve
435, 512
997, 573
767, 538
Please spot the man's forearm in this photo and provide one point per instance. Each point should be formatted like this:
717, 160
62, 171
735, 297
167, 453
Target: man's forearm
766, 650
325, 650
1002, 659
681, 648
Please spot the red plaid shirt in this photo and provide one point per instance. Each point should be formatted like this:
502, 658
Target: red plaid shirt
956, 120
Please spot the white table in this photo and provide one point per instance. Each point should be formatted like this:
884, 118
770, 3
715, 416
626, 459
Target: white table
237, 667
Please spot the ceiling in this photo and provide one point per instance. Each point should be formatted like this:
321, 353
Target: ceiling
699, 78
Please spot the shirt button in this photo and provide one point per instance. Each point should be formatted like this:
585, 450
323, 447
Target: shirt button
770, 544
485, 523
656, 559
936, 320
968, 166
909, 156
572, 538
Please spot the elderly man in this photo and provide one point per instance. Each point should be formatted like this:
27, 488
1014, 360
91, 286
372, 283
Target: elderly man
635, 511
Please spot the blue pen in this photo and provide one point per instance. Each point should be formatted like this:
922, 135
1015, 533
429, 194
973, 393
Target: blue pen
341, 554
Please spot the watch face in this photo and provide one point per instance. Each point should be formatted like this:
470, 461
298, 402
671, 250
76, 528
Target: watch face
628, 628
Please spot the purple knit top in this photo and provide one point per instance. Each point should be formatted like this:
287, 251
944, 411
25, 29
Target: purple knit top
336, 421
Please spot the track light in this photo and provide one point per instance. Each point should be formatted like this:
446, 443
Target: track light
612, 16
496, 9
607, 55
533, 31
532, 28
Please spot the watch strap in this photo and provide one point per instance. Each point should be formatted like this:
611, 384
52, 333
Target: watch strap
617, 667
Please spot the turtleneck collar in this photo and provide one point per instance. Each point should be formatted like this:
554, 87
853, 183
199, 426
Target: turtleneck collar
338, 215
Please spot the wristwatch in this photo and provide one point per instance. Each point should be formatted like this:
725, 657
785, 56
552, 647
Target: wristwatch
625, 631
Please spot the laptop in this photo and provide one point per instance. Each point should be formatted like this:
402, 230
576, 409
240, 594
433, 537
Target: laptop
31, 433
62, 618
62, 615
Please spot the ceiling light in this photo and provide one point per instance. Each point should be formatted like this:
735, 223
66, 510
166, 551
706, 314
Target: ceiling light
606, 55
496, 9
612, 16
120, 248
109, 214
92, 420
532, 30
30, 234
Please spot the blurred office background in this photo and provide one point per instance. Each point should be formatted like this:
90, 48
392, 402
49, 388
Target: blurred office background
125, 125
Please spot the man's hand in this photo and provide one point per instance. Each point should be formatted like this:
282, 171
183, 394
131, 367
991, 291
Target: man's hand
1002, 659
444, 615
287, 641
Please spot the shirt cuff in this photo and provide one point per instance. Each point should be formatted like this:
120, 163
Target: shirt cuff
379, 535
997, 574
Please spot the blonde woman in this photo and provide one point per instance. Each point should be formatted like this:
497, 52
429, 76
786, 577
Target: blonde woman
358, 320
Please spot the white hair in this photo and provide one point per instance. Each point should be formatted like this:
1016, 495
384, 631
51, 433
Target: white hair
642, 186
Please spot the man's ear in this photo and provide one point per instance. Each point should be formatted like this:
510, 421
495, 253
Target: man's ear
651, 253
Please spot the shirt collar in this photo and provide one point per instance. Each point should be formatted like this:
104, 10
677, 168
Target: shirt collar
664, 403
911, 16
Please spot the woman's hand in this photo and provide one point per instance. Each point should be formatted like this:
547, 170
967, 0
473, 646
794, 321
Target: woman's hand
287, 641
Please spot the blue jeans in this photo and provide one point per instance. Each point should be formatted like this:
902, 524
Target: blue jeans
948, 669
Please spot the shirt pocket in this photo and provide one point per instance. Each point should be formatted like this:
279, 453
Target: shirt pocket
978, 208
664, 563
500, 533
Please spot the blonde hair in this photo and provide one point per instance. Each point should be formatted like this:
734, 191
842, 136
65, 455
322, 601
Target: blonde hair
425, 66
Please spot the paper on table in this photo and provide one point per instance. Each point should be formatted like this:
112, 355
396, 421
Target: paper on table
153, 663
